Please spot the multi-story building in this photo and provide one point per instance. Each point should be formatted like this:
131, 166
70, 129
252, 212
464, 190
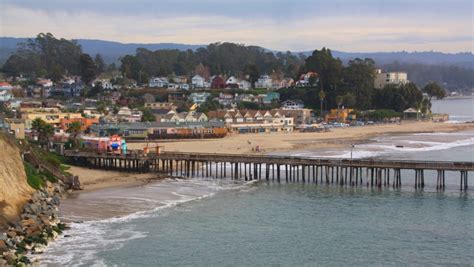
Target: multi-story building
385, 78
53, 118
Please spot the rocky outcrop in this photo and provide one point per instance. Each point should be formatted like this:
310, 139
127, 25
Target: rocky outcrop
14, 188
39, 224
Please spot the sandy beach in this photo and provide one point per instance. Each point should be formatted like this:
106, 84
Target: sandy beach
92, 180
273, 142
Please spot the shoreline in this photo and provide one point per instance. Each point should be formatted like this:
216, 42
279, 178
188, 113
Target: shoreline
284, 142
93, 180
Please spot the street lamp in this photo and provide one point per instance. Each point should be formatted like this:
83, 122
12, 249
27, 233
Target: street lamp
352, 146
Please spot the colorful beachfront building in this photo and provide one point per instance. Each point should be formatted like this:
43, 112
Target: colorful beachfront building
85, 123
161, 130
340, 115
53, 118
254, 121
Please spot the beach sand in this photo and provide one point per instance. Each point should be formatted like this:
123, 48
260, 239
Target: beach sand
282, 142
92, 180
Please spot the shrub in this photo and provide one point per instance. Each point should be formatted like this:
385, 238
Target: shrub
35, 180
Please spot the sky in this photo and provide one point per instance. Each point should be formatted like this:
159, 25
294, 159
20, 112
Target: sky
296, 25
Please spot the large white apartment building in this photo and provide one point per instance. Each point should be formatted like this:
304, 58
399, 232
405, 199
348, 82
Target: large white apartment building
385, 78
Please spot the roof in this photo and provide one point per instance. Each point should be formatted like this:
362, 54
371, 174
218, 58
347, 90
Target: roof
4, 84
411, 110
147, 125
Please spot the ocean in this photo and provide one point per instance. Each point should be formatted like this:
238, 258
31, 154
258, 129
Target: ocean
206, 222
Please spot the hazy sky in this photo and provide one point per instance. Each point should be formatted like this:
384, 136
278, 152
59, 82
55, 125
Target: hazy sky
348, 25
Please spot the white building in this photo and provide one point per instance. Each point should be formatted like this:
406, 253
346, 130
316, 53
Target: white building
5, 95
264, 82
244, 85
199, 98
5, 86
159, 82
198, 81
292, 104
386, 78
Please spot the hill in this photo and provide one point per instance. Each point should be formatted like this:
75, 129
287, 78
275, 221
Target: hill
112, 51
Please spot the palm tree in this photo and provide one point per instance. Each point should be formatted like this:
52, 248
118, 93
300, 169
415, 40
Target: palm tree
322, 96
75, 128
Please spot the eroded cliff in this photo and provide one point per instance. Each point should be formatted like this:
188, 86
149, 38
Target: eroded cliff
14, 188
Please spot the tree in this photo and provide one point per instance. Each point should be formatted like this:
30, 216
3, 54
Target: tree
322, 96
45, 56
434, 90
75, 128
358, 79
329, 70
147, 115
88, 68
100, 64
44, 130
253, 73
209, 105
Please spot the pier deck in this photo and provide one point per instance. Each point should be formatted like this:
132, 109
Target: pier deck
375, 172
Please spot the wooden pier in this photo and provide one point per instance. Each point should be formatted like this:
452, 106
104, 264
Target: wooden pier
356, 172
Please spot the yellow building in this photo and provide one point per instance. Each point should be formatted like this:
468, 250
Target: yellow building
53, 118
340, 115
16, 126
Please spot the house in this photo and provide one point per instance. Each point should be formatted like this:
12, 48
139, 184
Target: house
5, 86
158, 82
199, 98
246, 98
225, 99
389, 78
307, 79
104, 83
184, 117
16, 126
184, 86
300, 116
254, 121
128, 115
269, 98
180, 79
161, 105
92, 113
197, 82
264, 81
232, 82
50, 117
176, 96
286, 83
218, 83
292, 104
244, 85
44, 82
5, 95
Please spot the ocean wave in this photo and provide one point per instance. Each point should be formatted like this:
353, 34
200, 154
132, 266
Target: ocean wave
88, 238
430, 146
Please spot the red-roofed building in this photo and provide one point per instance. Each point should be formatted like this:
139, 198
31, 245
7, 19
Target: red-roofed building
218, 83
5, 86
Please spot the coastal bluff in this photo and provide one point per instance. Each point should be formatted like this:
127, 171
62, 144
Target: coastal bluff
14, 188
